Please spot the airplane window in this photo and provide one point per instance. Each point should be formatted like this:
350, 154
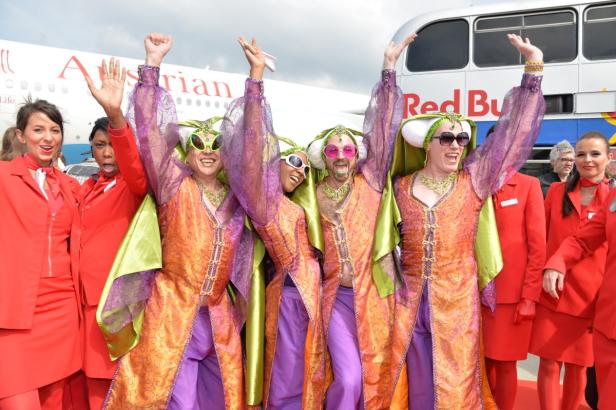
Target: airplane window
207, 103
8, 83
178, 100
188, 101
554, 32
37, 86
217, 104
24, 85
430, 52
198, 103
51, 88
64, 89
226, 105
599, 24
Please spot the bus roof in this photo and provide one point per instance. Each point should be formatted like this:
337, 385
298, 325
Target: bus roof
416, 23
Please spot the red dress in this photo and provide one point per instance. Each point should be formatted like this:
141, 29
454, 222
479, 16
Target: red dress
602, 227
562, 328
520, 218
107, 206
39, 292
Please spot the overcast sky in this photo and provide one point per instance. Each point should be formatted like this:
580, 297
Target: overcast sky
331, 43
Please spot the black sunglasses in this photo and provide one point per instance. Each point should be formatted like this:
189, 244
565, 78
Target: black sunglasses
447, 138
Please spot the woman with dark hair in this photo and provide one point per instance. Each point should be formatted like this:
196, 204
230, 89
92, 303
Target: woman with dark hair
108, 201
11, 146
39, 284
263, 179
563, 322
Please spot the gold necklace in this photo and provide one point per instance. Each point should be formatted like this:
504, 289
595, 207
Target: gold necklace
336, 194
215, 198
438, 186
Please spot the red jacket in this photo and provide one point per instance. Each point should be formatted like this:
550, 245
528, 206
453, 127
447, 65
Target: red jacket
583, 279
24, 240
587, 240
520, 218
106, 214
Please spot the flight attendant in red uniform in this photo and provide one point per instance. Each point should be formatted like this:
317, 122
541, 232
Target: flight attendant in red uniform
563, 324
107, 203
39, 250
591, 237
520, 218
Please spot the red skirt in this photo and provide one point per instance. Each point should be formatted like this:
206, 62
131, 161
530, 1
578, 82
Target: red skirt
96, 361
502, 339
562, 337
605, 365
50, 350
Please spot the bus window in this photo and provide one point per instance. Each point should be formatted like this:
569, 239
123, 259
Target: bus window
439, 46
599, 25
553, 32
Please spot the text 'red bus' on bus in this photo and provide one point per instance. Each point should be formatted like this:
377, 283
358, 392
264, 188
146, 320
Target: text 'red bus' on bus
461, 61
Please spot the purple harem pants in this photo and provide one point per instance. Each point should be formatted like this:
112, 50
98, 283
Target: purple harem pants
288, 367
198, 385
345, 392
419, 359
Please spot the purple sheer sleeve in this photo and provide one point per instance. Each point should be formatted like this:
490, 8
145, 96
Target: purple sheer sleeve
152, 114
381, 123
511, 143
250, 154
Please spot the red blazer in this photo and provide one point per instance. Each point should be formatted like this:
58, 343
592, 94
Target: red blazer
105, 215
520, 218
24, 233
583, 279
587, 240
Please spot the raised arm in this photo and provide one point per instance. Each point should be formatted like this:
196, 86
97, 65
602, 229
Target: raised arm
383, 118
250, 150
517, 129
109, 96
153, 116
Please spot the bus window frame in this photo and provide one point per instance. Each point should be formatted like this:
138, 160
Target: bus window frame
582, 27
572, 10
467, 20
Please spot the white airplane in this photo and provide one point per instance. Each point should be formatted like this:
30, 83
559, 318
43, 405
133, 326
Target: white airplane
58, 75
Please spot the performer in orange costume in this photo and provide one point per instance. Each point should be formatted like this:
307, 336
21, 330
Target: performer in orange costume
562, 327
358, 317
39, 253
263, 181
108, 201
520, 217
189, 354
440, 206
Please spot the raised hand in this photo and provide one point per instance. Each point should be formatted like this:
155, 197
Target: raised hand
529, 51
157, 45
255, 57
393, 51
553, 280
109, 96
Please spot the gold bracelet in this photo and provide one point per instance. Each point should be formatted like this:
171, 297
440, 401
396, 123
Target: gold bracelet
533, 69
531, 62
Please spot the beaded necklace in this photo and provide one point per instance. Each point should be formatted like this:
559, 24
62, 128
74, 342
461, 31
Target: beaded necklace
336, 194
439, 186
215, 198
